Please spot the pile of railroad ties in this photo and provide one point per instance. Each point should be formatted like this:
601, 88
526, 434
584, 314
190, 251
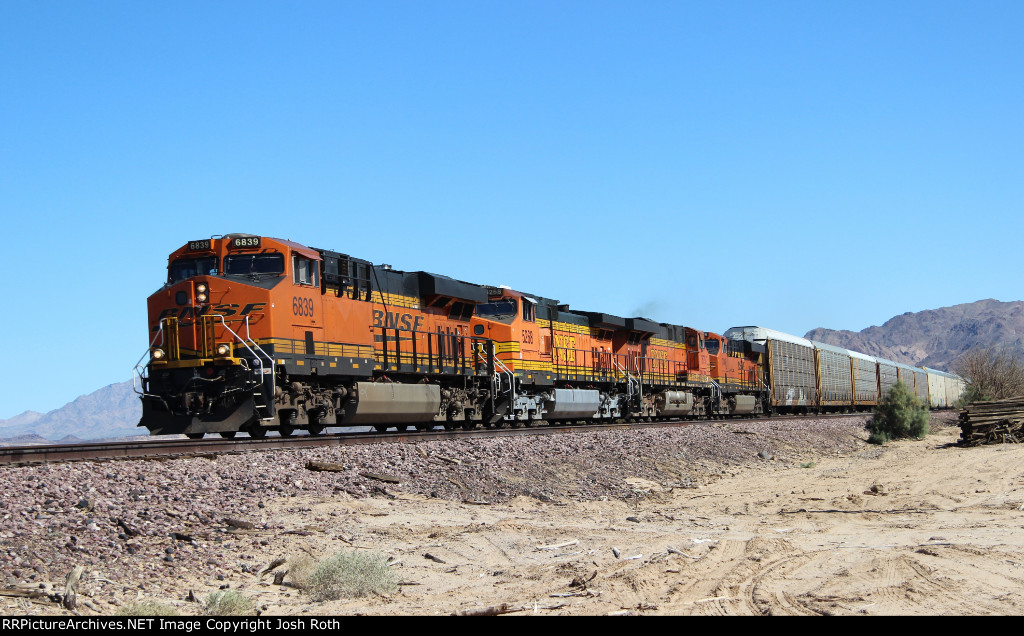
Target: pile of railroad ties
995, 422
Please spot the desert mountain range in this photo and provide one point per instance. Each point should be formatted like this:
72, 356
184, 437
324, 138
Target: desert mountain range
933, 338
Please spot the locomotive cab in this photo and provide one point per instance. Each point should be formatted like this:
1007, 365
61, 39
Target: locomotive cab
211, 366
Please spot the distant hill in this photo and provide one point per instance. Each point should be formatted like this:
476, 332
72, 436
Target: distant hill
112, 411
935, 338
19, 422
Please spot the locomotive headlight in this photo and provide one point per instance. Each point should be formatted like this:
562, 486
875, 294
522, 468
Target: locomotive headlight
157, 354
223, 350
201, 298
202, 292
201, 288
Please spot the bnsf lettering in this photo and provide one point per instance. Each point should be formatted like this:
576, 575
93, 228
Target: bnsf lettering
251, 307
395, 320
568, 346
223, 310
565, 342
661, 355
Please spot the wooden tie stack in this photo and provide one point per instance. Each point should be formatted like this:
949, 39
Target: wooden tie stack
995, 422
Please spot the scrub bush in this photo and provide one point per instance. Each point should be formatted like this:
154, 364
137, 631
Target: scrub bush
228, 603
351, 575
899, 414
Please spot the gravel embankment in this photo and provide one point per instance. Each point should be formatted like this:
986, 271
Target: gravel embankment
139, 525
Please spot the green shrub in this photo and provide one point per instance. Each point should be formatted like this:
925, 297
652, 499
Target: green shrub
228, 603
351, 575
147, 608
899, 414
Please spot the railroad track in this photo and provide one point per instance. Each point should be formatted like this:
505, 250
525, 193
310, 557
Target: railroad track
181, 447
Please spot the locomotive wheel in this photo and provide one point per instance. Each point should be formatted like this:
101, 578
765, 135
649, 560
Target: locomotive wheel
380, 428
286, 431
316, 430
195, 435
257, 432
468, 425
228, 434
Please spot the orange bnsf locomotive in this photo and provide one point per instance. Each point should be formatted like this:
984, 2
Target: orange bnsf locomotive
257, 334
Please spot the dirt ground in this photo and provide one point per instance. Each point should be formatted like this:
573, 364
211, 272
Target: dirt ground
916, 527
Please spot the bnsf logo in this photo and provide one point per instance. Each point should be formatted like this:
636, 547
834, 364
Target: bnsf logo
226, 310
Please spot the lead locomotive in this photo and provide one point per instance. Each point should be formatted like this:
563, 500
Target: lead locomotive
253, 334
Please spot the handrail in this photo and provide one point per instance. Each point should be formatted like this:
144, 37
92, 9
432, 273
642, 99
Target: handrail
629, 379
502, 369
639, 382
716, 390
136, 373
255, 344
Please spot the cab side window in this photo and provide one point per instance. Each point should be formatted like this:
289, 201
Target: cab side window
305, 271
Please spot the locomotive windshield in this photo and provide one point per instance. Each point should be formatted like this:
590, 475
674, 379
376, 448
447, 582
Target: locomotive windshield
253, 264
184, 268
503, 310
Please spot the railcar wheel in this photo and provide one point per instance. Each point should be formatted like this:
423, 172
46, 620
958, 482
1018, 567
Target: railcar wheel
228, 434
195, 435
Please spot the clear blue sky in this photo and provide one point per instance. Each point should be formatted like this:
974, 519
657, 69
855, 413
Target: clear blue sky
787, 164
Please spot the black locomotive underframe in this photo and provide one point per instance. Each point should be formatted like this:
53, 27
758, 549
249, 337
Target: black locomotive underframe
313, 395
